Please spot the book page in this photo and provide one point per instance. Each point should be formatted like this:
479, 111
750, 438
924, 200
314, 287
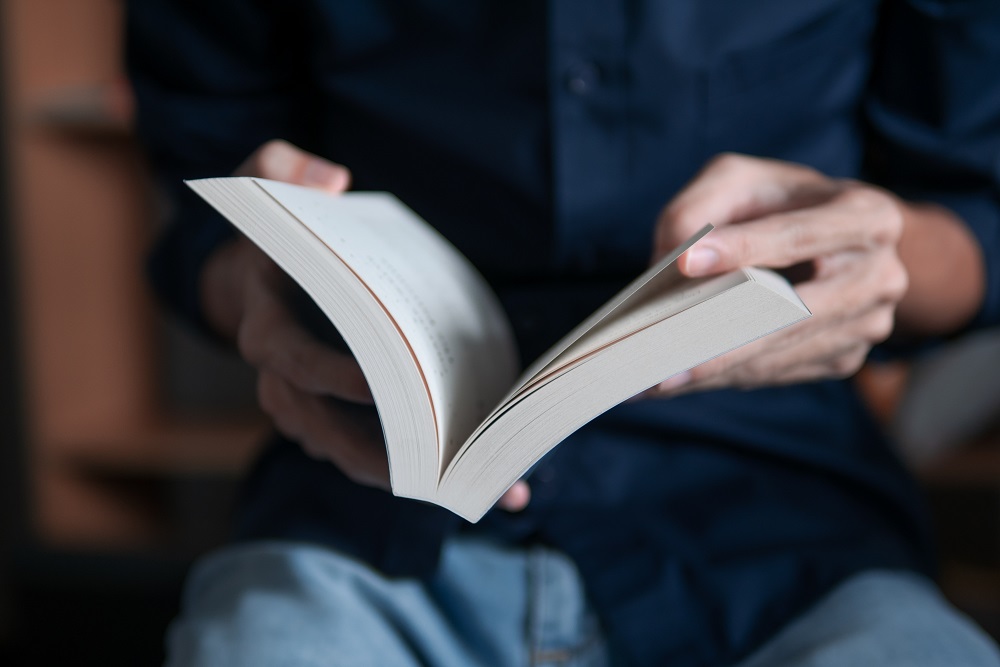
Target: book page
665, 295
443, 308
660, 274
730, 311
607, 309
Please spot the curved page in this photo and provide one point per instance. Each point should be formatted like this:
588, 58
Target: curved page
428, 333
443, 308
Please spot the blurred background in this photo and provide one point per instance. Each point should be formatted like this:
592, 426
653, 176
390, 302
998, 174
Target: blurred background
122, 436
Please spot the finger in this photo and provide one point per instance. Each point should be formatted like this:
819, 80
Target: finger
516, 498
840, 365
797, 354
849, 285
799, 366
722, 371
279, 160
849, 315
270, 339
853, 302
861, 218
847, 312
348, 438
816, 359
733, 188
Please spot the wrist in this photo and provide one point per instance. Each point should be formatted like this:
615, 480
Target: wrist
946, 268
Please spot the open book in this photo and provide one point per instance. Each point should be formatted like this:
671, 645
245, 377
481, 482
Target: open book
461, 424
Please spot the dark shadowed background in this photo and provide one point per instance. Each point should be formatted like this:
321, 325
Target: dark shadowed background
123, 436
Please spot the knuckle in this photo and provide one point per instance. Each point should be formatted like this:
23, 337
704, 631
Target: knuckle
269, 157
877, 206
729, 161
810, 173
822, 265
849, 363
881, 325
801, 235
842, 367
705, 371
248, 344
676, 222
896, 281
860, 197
890, 229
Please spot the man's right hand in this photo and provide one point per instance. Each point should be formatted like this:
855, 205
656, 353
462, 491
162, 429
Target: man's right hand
245, 298
306, 387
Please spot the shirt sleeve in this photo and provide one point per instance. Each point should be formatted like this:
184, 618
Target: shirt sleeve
207, 94
934, 112
213, 81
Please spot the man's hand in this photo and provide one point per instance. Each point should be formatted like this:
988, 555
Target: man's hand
314, 394
244, 295
840, 240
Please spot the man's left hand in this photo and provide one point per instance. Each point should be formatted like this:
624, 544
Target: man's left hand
839, 236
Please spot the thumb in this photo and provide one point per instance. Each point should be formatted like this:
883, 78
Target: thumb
735, 188
279, 160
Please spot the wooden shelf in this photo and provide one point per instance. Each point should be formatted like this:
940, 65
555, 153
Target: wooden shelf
171, 448
103, 443
111, 493
101, 110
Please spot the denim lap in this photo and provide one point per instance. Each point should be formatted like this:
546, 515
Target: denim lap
302, 605
884, 619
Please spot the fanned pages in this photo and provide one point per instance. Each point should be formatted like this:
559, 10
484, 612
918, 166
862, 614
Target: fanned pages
437, 350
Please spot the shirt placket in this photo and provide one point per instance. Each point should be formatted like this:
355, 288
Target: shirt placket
588, 81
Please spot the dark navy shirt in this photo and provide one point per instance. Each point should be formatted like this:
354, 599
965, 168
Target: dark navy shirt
543, 138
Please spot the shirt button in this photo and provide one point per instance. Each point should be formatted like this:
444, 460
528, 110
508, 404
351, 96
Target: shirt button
582, 78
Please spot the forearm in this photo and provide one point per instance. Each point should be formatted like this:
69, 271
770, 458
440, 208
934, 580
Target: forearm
946, 272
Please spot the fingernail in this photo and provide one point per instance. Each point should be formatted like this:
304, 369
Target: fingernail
674, 382
701, 260
322, 174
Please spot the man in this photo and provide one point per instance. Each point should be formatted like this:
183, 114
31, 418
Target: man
559, 145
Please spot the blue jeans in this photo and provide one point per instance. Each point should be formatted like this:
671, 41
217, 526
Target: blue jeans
295, 604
